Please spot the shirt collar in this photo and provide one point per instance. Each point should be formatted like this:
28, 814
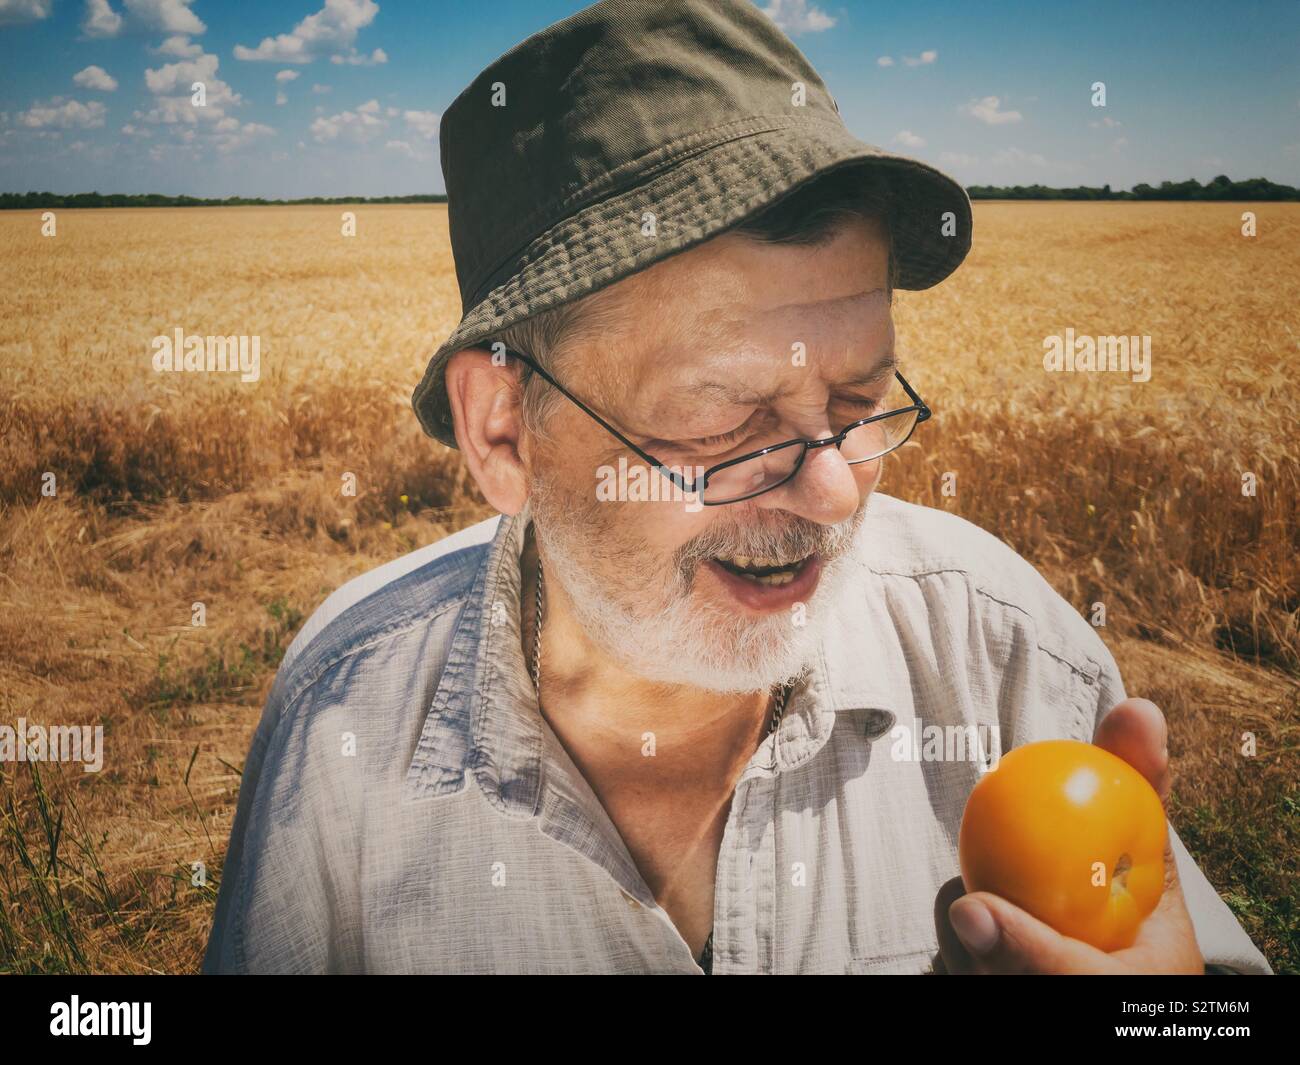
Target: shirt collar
484, 718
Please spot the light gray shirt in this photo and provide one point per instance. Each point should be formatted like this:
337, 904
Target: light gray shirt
406, 808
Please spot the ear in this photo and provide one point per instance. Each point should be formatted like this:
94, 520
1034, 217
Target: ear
485, 411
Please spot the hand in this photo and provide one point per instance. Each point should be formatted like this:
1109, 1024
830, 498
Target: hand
984, 934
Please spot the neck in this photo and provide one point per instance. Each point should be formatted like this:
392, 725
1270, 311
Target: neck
601, 713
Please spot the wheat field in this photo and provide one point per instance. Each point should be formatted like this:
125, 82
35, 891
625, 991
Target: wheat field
127, 496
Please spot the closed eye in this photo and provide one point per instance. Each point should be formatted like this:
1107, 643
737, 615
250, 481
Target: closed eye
722, 439
863, 406
856, 408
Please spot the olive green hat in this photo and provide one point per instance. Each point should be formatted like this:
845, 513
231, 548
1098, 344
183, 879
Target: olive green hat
697, 113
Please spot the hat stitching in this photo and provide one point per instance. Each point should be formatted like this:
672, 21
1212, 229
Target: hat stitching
674, 152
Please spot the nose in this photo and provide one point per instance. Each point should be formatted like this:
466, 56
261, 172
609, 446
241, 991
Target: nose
826, 489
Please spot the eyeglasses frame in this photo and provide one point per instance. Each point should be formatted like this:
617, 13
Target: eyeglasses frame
918, 405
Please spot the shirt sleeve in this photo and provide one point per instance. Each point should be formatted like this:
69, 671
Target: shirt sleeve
1224, 944
289, 897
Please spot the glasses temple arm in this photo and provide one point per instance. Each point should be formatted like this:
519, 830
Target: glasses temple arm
672, 475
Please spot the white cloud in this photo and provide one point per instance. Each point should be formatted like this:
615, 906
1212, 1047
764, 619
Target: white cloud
62, 113
95, 78
287, 75
13, 12
958, 159
1106, 123
171, 87
281, 99
356, 59
178, 77
987, 110
167, 16
1121, 142
320, 90
885, 61
135, 131
179, 46
231, 134
357, 126
798, 16
402, 147
908, 139
173, 110
332, 29
1018, 157
425, 123
922, 60
100, 20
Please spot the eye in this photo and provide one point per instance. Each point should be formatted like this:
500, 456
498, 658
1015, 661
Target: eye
863, 406
733, 437
725, 440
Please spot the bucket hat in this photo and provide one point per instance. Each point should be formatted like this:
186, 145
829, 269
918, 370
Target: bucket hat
632, 131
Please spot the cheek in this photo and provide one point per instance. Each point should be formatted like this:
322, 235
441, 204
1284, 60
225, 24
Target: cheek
662, 527
867, 474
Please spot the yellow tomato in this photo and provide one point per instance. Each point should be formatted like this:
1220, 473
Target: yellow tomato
1070, 833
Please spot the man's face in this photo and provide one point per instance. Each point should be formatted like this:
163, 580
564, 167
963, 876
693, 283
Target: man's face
721, 350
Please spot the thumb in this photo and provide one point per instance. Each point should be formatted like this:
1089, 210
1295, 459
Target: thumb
1136, 731
1002, 938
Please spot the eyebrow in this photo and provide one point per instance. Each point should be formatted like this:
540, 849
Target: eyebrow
729, 392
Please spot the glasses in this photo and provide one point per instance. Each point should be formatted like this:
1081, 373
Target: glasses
770, 467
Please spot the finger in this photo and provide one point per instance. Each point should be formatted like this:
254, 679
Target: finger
1136, 731
1001, 938
956, 962
1166, 939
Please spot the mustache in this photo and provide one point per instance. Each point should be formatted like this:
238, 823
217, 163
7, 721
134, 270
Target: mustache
794, 538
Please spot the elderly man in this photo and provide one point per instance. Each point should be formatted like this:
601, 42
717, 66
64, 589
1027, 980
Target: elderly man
659, 715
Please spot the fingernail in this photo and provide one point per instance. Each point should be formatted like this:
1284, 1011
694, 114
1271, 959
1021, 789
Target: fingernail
974, 926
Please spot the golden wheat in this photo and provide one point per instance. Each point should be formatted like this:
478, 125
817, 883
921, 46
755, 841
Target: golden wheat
174, 489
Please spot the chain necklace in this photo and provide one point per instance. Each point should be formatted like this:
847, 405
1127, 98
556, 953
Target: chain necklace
706, 956
777, 712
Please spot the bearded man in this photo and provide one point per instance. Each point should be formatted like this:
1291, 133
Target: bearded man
615, 730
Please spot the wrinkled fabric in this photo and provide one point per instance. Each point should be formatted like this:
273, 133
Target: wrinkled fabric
406, 808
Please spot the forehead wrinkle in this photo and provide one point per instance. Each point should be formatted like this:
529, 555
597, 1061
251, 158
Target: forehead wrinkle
838, 304
720, 327
724, 390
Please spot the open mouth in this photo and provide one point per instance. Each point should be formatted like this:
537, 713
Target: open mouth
772, 572
762, 585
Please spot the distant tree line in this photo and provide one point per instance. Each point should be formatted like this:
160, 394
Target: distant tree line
1221, 188
10, 201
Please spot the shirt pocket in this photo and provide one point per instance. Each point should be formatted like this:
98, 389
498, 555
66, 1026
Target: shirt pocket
911, 963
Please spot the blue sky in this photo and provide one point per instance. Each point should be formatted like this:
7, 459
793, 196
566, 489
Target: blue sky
343, 97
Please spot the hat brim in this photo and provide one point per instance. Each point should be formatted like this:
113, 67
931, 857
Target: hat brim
698, 198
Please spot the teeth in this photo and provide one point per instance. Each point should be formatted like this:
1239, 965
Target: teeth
755, 562
774, 579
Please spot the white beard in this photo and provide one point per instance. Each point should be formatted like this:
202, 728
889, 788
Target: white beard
660, 634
